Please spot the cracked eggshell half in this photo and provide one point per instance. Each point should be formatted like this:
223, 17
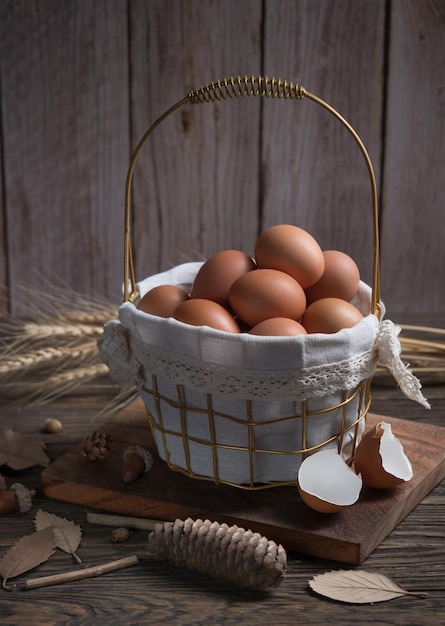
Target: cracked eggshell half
326, 483
381, 460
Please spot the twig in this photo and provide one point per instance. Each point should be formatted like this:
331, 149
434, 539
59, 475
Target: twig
89, 572
120, 521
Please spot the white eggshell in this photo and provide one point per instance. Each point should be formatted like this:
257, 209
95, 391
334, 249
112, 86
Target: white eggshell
329, 478
394, 459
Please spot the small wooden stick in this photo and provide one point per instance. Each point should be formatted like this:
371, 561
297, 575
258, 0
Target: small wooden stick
121, 521
89, 572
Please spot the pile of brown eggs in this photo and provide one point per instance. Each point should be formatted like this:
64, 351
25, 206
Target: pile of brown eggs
290, 287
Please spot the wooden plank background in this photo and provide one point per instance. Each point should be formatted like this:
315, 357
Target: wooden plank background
81, 81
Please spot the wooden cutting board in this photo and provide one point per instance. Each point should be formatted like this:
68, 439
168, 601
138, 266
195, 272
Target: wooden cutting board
348, 536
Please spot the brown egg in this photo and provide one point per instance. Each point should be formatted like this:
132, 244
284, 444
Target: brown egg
216, 276
380, 459
292, 250
162, 300
279, 327
340, 279
265, 293
329, 315
201, 312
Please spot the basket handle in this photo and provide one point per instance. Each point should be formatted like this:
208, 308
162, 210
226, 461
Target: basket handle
240, 87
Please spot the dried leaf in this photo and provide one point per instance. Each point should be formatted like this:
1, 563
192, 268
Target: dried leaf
27, 553
67, 534
20, 451
358, 587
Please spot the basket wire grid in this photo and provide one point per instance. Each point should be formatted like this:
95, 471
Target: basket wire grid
301, 447
358, 400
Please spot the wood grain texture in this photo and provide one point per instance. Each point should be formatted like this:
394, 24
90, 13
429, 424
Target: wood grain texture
80, 82
413, 228
313, 173
64, 76
196, 187
3, 249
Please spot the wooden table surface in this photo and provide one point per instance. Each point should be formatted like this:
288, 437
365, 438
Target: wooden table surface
154, 592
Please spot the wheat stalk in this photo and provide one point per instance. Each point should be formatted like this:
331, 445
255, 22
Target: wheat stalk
33, 330
62, 383
79, 374
50, 350
58, 300
38, 392
119, 402
20, 365
94, 318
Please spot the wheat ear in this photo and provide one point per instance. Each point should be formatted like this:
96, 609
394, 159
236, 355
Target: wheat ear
44, 358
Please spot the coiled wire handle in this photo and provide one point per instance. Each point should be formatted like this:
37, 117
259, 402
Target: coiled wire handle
244, 86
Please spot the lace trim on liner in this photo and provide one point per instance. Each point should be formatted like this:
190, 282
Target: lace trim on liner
130, 362
129, 359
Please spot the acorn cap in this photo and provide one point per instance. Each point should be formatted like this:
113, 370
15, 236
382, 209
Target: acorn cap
24, 496
143, 453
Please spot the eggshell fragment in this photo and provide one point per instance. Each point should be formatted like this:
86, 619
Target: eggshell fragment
290, 249
381, 460
326, 483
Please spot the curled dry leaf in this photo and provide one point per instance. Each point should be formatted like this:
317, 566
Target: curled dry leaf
358, 587
20, 451
27, 553
67, 534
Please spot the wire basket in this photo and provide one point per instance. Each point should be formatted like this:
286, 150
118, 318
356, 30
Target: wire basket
214, 425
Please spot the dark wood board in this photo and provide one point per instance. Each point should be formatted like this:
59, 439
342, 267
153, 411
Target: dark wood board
348, 536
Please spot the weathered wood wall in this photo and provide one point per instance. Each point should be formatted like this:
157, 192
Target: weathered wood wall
81, 81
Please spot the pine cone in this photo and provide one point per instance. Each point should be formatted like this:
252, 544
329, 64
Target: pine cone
239, 556
97, 446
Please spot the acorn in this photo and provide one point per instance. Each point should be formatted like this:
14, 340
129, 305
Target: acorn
52, 425
137, 461
119, 535
16, 499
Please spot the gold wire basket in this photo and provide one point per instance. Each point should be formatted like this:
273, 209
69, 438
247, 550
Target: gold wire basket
220, 433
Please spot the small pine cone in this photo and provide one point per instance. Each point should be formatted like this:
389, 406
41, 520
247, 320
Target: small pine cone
242, 557
97, 446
